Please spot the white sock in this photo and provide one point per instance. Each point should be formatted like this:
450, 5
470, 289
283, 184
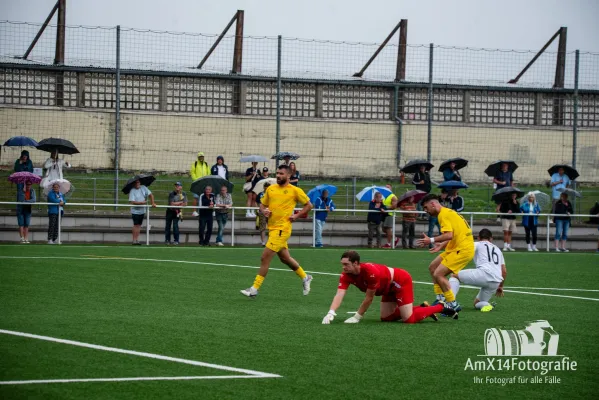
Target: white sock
455, 286
505, 245
481, 304
509, 245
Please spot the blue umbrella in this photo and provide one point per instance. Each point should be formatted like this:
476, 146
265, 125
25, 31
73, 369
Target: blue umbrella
20, 141
317, 191
367, 194
451, 185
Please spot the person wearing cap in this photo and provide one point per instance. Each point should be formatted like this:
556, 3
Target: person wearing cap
220, 168
265, 173
173, 215
199, 168
252, 176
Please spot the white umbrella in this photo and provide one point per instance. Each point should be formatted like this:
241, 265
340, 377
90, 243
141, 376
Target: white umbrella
65, 187
253, 158
543, 199
259, 187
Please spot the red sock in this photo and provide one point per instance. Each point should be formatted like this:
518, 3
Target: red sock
393, 317
420, 313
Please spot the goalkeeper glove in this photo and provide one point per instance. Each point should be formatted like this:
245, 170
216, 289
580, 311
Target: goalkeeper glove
329, 317
355, 319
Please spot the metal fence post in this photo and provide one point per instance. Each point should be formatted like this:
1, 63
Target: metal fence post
472, 223
233, 228
548, 227
575, 122
278, 121
59, 226
354, 179
95, 194
148, 226
117, 116
429, 140
314, 229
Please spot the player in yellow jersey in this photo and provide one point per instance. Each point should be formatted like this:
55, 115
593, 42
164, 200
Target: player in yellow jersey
456, 238
277, 205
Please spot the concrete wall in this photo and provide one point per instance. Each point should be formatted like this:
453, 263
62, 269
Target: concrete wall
170, 141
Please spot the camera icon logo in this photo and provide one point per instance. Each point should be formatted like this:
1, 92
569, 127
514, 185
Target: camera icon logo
537, 339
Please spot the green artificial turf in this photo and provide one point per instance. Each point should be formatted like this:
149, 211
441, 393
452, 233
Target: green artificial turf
184, 302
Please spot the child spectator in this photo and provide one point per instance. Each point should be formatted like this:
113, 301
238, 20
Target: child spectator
408, 222
322, 203
375, 219
54, 212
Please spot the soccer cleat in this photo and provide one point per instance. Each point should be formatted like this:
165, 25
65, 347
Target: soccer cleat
306, 282
486, 308
433, 316
454, 305
449, 311
250, 292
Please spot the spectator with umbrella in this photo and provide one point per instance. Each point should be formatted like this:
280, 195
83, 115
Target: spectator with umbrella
220, 168
295, 175
451, 167
137, 189
23, 163
530, 209
53, 164
562, 222
391, 203
55, 211
502, 173
407, 203
422, 177
508, 197
25, 194
319, 196
206, 202
223, 203
252, 176
173, 215
375, 219
286, 156
456, 201
562, 176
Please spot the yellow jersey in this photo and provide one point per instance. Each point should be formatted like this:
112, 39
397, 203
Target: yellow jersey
281, 200
451, 221
387, 203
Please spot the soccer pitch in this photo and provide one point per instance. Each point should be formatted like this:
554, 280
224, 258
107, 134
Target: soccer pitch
169, 322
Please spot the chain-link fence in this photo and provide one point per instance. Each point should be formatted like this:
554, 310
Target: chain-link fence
293, 95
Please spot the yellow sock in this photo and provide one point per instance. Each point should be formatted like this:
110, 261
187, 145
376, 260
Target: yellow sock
449, 296
258, 281
437, 289
300, 272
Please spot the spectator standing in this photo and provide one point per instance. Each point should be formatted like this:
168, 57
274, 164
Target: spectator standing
138, 197
223, 203
262, 219
451, 174
265, 173
390, 203
422, 181
562, 222
530, 209
54, 212
408, 223
456, 201
220, 168
503, 178
173, 215
25, 195
23, 163
53, 167
375, 219
252, 176
286, 160
199, 168
324, 202
509, 206
206, 201
295, 175
559, 180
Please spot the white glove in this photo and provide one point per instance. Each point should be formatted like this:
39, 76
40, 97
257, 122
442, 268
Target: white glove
355, 319
195, 214
329, 317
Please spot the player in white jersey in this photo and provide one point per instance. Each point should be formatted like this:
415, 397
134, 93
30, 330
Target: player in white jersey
489, 274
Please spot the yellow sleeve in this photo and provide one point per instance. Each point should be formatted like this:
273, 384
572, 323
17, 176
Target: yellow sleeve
445, 222
266, 198
192, 172
301, 196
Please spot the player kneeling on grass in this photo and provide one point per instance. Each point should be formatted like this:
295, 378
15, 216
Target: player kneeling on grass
393, 284
489, 274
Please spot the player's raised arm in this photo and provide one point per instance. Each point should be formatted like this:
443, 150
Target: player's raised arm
363, 307
337, 300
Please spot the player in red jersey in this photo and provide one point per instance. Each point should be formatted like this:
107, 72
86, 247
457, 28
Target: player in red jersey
394, 285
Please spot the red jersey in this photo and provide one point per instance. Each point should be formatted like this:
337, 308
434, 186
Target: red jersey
372, 276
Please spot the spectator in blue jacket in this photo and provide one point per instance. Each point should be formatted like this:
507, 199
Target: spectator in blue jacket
530, 209
54, 212
25, 195
451, 174
220, 168
324, 202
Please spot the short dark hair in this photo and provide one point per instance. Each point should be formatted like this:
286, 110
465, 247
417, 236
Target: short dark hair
429, 197
285, 167
352, 255
485, 234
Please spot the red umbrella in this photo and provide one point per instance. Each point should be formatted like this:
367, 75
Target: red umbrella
416, 194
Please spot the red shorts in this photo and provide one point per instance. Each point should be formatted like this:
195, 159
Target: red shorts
401, 290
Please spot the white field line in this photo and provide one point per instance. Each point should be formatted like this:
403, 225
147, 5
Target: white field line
257, 374
149, 378
99, 257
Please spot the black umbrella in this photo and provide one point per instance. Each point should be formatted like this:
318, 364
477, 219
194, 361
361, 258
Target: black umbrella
506, 194
414, 166
494, 168
459, 164
282, 154
62, 145
568, 170
144, 179
216, 182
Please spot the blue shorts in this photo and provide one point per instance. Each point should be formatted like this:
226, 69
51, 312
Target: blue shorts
23, 219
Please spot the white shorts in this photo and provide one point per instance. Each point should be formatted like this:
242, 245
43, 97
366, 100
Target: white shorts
509, 225
479, 278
